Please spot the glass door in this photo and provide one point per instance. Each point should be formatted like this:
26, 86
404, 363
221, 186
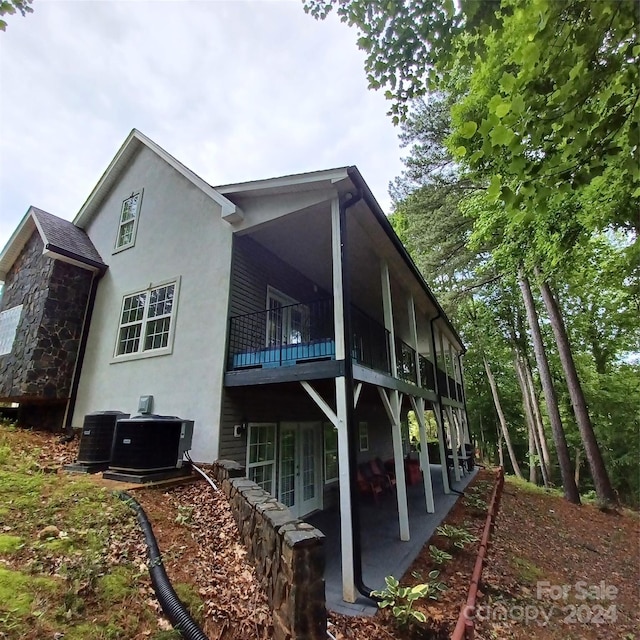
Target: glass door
299, 485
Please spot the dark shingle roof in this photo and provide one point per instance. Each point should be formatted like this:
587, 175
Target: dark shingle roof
65, 236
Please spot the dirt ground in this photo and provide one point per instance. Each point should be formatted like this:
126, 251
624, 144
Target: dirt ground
542, 548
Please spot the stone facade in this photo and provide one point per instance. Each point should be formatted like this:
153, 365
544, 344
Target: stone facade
288, 555
54, 296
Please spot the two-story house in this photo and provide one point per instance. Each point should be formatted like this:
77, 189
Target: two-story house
283, 316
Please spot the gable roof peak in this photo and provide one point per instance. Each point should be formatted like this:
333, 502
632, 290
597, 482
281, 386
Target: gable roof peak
62, 240
132, 144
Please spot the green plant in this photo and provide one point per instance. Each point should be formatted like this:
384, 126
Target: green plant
185, 515
459, 536
438, 555
401, 599
475, 502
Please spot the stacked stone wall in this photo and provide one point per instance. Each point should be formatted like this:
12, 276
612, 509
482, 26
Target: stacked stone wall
54, 297
288, 555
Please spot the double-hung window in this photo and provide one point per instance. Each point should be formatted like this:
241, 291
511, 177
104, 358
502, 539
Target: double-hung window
146, 321
129, 221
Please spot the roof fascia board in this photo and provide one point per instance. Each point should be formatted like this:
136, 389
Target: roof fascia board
16, 242
133, 142
57, 253
285, 182
360, 183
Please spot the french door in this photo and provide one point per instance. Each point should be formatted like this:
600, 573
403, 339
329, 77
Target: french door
299, 473
287, 321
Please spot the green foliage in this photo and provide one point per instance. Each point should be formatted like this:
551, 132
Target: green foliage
73, 568
10, 7
402, 599
475, 502
9, 543
459, 536
439, 556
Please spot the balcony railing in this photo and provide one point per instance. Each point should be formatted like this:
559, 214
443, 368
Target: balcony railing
302, 332
370, 342
426, 373
297, 333
406, 362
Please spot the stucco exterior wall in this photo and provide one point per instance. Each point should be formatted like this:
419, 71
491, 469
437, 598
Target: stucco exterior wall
180, 235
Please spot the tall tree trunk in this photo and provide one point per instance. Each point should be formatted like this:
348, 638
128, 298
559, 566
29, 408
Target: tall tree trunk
535, 407
500, 452
568, 482
577, 473
604, 490
532, 455
531, 421
503, 422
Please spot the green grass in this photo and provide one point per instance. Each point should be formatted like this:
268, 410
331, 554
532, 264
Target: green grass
65, 584
9, 544
529, 487
527, 571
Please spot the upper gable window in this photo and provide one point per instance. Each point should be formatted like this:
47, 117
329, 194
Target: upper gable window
129, 221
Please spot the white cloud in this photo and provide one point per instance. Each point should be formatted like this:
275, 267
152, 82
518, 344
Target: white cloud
234, 90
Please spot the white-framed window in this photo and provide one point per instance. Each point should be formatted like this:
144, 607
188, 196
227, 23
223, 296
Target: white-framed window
261, 455
330, 452
128, 226
147, 321
8, 325
363, 435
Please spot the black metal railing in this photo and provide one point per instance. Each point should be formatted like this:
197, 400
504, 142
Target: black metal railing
305, 331
427, 376
370, 342
282, 335
406, 362
300, 332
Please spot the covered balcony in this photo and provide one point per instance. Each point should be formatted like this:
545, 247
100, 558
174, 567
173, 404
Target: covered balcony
303, 333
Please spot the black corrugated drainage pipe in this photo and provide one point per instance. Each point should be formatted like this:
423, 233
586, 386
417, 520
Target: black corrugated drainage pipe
348, 374
167, 597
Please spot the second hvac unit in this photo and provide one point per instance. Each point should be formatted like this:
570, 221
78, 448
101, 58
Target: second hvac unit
97, 436
150, 443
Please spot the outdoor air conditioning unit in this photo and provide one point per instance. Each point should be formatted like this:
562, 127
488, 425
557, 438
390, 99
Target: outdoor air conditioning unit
145, 444
96, 440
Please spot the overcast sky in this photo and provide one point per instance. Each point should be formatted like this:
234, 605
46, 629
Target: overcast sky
236, 90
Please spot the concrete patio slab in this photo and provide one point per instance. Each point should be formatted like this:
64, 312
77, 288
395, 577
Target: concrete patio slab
383, 553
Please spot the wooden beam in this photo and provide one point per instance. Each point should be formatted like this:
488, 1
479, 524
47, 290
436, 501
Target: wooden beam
321, 402
454, 443
356, 394
295, 373
336, 256
388, 314
349, 593
437, 412
392, 407
418, 408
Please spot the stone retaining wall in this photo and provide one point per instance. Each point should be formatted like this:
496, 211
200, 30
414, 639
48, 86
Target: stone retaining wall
288, 555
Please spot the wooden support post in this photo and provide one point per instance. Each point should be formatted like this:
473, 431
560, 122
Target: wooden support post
349, 593
454, 443
392, 407
418, 407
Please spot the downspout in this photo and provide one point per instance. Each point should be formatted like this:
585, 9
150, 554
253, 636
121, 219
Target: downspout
348, 374
82, 347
